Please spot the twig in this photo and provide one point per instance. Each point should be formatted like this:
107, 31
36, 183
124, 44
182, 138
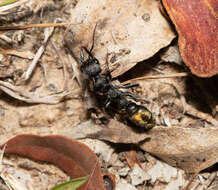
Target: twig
155, 77
48, 32
46, 25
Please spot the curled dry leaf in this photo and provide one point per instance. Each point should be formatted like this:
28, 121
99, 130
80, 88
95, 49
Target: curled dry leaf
115, 132
75, 158
130, 31
186, 148
196, 23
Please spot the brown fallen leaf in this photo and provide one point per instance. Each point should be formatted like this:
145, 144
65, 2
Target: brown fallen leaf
186, 148
75, 158
130, 31
197, 24
182, 147
115, 132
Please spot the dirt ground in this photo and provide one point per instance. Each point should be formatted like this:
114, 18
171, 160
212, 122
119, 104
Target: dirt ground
49, 100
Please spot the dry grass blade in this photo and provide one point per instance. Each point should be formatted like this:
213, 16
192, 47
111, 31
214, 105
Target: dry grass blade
48, 32
20, 94
155, 77
24, 54
10, 6
22, 27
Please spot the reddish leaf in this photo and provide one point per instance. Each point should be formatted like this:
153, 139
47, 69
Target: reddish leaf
196, 23
75, 158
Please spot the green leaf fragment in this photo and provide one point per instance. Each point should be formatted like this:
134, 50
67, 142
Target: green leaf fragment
72, 184
6, 2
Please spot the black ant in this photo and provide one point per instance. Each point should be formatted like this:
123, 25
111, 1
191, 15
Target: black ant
112, 98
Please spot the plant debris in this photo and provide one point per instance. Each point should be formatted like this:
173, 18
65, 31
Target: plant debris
130, 30
180, 152
76, 159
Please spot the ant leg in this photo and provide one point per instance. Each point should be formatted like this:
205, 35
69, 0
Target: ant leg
82, 57
135, 98
128, 94
108, 72
129, 85
132, 96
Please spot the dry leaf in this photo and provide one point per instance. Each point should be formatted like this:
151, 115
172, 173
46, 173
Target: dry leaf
186, 148
130, 31
75, 158
115, 132
196, 23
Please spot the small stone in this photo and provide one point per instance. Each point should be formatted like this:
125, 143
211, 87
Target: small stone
172, 55
138, 176
122, 184
124, 171
118, 163
162, 172
99, 148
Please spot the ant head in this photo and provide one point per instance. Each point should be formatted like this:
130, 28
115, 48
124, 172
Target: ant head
90, 59
91, 66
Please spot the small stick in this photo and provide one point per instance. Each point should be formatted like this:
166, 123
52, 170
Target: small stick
156, 77
22, 27
28, 73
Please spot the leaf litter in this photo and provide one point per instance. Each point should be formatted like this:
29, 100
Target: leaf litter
182, 118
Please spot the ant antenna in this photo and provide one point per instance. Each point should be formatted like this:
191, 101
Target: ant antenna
89, 52
93, 38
